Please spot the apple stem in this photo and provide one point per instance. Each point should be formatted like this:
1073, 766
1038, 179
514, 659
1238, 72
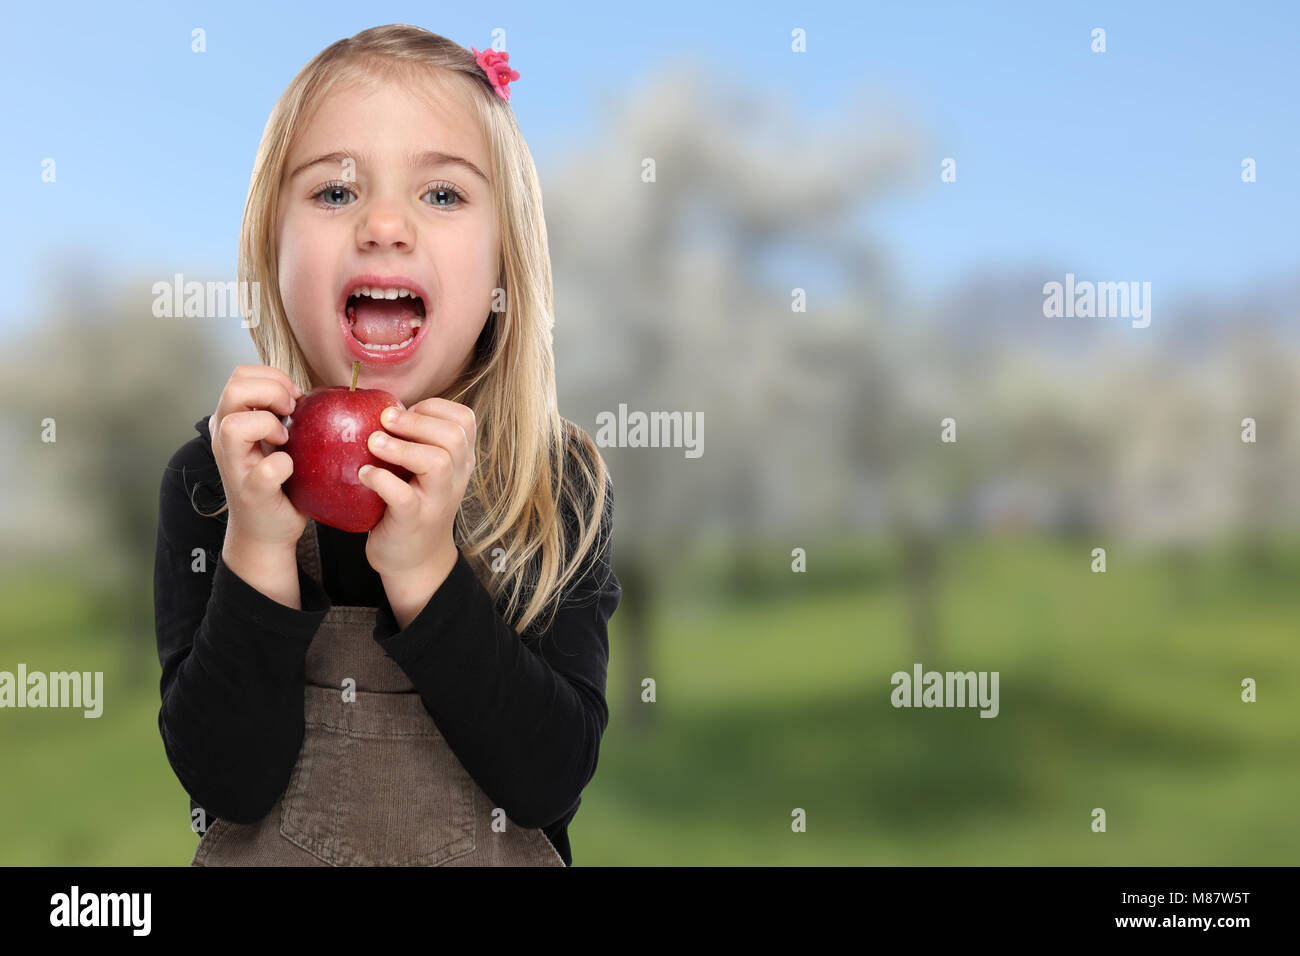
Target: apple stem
356, 370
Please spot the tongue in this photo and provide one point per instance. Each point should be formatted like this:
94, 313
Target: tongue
382, 321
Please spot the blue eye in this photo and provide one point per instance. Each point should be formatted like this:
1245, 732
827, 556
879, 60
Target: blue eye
446, 189
333, 188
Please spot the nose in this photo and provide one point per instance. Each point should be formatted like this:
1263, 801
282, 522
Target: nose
385, 224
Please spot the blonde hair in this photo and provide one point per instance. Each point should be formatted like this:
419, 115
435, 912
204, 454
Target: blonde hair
534, 469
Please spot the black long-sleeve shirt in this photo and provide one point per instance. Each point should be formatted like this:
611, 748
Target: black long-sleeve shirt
524, 715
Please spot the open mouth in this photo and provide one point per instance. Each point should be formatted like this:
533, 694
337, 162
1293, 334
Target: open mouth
384, 320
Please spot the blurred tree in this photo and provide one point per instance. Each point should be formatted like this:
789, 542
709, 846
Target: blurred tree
124, 388
676, 293
1265, 387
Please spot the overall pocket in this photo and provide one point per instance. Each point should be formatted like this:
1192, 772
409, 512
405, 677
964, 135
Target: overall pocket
376, 784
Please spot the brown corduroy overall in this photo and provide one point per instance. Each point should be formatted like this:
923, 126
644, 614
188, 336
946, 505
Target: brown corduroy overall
375, 783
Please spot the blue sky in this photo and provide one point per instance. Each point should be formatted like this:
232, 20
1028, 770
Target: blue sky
1124, 164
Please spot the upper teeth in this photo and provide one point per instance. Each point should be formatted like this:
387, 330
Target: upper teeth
378, 293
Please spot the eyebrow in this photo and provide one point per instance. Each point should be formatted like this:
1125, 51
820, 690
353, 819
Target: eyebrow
419, 160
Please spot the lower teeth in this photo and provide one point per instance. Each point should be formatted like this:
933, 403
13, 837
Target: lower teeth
388, 348
415, 323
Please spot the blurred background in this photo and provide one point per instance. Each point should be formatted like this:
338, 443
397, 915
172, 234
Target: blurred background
855, 211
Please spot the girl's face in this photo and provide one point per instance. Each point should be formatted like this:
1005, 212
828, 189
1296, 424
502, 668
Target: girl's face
360, 196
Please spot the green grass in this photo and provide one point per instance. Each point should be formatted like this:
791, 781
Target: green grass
1117, 690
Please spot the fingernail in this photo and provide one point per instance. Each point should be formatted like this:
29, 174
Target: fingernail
364, 470
293, 403
378, 439
389, 415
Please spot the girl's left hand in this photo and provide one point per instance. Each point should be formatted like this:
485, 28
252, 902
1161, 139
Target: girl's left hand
412, 546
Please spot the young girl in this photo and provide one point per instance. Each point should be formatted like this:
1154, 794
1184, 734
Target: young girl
433, 691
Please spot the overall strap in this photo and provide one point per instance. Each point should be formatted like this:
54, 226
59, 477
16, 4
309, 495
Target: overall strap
309, 553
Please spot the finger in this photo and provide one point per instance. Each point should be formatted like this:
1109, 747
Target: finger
268, 371
445, 409
400, 497
463, 415
256, 392
264, 480
257, 377
277, 435
431, 460
423, 428
241, 430
265, 443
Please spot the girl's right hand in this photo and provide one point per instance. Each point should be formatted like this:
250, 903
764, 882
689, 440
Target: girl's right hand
248, 414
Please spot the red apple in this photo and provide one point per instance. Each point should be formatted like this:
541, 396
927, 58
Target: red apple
329, 433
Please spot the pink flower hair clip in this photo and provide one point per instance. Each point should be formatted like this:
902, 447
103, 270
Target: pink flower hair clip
496, 64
